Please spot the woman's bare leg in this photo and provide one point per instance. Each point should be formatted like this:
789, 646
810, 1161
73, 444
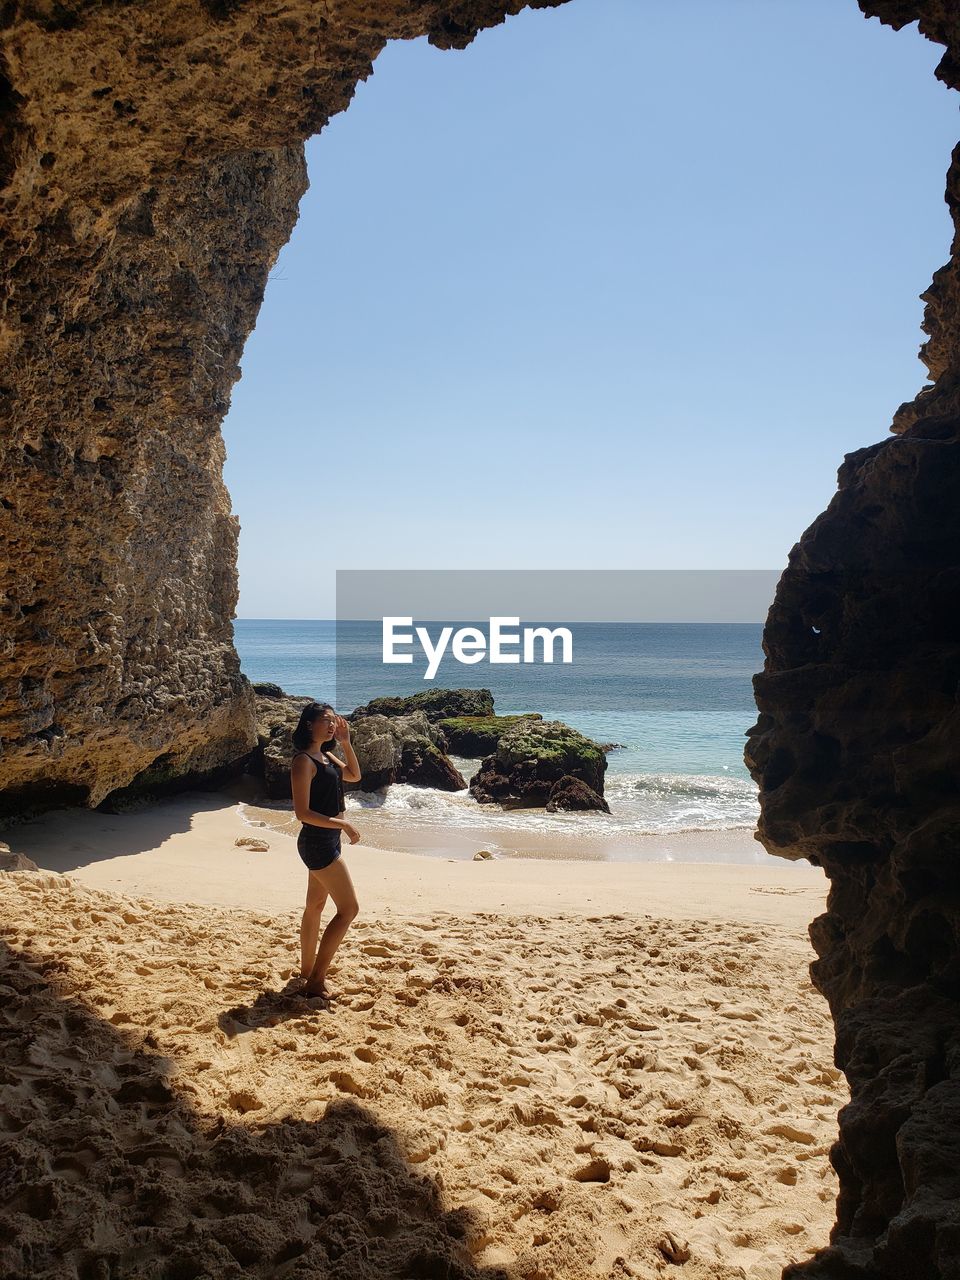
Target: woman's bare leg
310, 924
335, 879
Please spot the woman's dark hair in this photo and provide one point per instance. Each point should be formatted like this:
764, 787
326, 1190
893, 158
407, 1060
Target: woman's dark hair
303, 733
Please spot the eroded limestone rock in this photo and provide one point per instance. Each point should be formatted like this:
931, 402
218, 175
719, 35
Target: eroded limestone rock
278, 714
402, 748
857, 754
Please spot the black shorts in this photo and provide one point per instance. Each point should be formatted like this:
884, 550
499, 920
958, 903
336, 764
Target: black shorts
318, 846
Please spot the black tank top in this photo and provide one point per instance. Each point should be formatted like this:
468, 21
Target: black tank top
326, 788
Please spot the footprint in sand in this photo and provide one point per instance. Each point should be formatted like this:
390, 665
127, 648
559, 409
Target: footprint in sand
431, 1098
790, 1132
159, 1156
592, 1171
658, 1147
361, 1004
738, 1013
535, 1115
682, 1119
346, 1083
76, 1166
515, 1081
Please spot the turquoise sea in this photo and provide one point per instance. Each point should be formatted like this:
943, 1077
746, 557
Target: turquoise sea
678, 696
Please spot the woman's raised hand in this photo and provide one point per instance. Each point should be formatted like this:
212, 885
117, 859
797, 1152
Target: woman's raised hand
342, 731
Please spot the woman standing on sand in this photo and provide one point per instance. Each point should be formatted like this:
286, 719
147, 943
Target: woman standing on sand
316, 780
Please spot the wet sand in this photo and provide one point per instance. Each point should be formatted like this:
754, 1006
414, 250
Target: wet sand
390, 832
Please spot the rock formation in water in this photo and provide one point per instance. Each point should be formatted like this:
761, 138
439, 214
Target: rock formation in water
857, 754
571, 794
151, 163
398, 748
403, 748
535, 762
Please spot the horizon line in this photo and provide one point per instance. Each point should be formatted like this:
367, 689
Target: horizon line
603, 622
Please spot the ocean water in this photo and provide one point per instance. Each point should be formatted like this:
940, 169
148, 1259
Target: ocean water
677, 696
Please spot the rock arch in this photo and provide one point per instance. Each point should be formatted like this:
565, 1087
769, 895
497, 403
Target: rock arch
151, 165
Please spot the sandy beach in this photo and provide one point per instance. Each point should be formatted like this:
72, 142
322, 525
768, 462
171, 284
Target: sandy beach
531, 1069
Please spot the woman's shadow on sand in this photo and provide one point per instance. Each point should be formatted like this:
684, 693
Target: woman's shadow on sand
118, 1175
272, 1007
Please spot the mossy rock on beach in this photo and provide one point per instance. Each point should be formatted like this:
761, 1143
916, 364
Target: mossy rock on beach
534, 755
555, 745
436, 704
479, 735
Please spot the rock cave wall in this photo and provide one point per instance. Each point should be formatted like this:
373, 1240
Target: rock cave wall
857, 754
151, 164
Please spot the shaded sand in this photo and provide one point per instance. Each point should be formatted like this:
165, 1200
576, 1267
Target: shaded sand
183, 850
514, 1081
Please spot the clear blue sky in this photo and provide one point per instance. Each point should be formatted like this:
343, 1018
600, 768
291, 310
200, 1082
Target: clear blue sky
615, 287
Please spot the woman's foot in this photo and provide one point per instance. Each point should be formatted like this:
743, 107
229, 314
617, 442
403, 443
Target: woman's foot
317, 987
